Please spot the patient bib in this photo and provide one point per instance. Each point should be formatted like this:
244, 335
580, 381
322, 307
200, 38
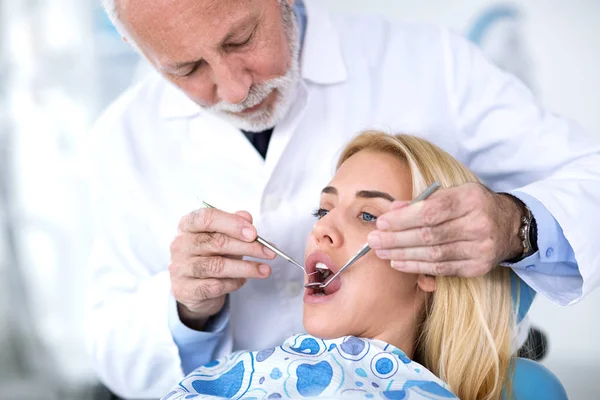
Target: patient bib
305, 366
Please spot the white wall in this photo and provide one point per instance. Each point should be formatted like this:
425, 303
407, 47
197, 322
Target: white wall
564, 40
564, 37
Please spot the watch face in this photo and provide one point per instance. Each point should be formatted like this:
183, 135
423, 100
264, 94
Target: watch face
524, 234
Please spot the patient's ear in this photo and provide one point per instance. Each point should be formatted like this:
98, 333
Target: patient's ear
426, 283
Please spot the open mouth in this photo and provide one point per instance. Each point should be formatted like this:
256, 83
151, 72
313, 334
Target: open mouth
321, 269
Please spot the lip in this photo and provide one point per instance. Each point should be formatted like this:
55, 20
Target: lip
254, 108
311, 266
319, 257
258, 106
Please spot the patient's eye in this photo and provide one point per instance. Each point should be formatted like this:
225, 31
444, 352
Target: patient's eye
320, 213
368, 217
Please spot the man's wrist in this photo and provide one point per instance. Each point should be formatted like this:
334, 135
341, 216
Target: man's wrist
191, 319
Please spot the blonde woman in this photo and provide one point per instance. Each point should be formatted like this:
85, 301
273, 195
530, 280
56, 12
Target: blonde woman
378, 332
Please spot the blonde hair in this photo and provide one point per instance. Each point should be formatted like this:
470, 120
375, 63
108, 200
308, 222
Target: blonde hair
465, 338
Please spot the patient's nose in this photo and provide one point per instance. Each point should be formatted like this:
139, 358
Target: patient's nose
327, 234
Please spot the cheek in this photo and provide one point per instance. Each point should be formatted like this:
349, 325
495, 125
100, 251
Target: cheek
268, 65
384, 285
271, 59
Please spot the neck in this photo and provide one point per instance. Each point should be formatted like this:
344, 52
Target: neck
402, 336
403, 331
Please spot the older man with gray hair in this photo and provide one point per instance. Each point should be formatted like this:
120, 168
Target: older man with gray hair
251, 103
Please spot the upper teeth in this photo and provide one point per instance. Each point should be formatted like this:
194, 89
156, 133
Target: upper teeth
320, 265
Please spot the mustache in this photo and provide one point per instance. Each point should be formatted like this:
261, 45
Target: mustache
256, 95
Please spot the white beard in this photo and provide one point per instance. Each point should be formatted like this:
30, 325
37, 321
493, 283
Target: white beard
284, 87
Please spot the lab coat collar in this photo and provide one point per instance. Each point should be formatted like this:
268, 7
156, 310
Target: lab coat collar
175, 104
322, 62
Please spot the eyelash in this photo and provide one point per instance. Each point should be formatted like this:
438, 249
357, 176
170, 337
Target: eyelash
321, 212
234, 45
318, 213
196, 67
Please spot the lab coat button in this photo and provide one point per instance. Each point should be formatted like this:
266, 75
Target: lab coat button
549, 252
294, 289
529, 267
271, 203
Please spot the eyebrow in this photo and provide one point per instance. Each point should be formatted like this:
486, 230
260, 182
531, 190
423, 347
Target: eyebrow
330, 190
365, 194
374, 194
250, 19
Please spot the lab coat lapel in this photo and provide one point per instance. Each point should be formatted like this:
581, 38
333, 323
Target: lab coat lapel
322, 63
284, 132
228, 162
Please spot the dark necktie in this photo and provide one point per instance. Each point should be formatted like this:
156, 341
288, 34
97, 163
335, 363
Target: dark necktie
260, 140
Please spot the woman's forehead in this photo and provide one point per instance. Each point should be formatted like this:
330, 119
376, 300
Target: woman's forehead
370, 170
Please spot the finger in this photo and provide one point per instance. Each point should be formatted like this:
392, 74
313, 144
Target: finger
464, 268
193, 291
246, 215
442, 206
223, 267
213, 220
448, 232
438, 253
210, 244
398, 204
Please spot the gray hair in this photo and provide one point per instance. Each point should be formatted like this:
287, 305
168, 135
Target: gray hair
111, 8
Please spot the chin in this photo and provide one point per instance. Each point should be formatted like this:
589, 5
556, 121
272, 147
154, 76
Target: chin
322, 326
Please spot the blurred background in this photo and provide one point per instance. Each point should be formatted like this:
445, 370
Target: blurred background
62, 63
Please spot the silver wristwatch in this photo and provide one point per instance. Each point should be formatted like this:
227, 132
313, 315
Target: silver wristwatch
525, 234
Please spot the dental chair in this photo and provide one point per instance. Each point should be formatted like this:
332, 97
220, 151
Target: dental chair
531, 380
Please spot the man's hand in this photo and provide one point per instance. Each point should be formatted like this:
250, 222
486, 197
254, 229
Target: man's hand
206, 262
462, 231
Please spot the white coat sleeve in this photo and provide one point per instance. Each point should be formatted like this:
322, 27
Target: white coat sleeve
513, 143
129, 312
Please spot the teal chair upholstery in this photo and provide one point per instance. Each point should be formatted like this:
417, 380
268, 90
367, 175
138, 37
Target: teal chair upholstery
533, 381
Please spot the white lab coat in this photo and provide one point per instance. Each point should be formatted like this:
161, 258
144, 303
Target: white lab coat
154, 151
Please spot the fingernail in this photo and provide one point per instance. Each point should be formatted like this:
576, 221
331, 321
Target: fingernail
248, 233
268, 252
264, 269
374, 240
382, 224
383, 254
